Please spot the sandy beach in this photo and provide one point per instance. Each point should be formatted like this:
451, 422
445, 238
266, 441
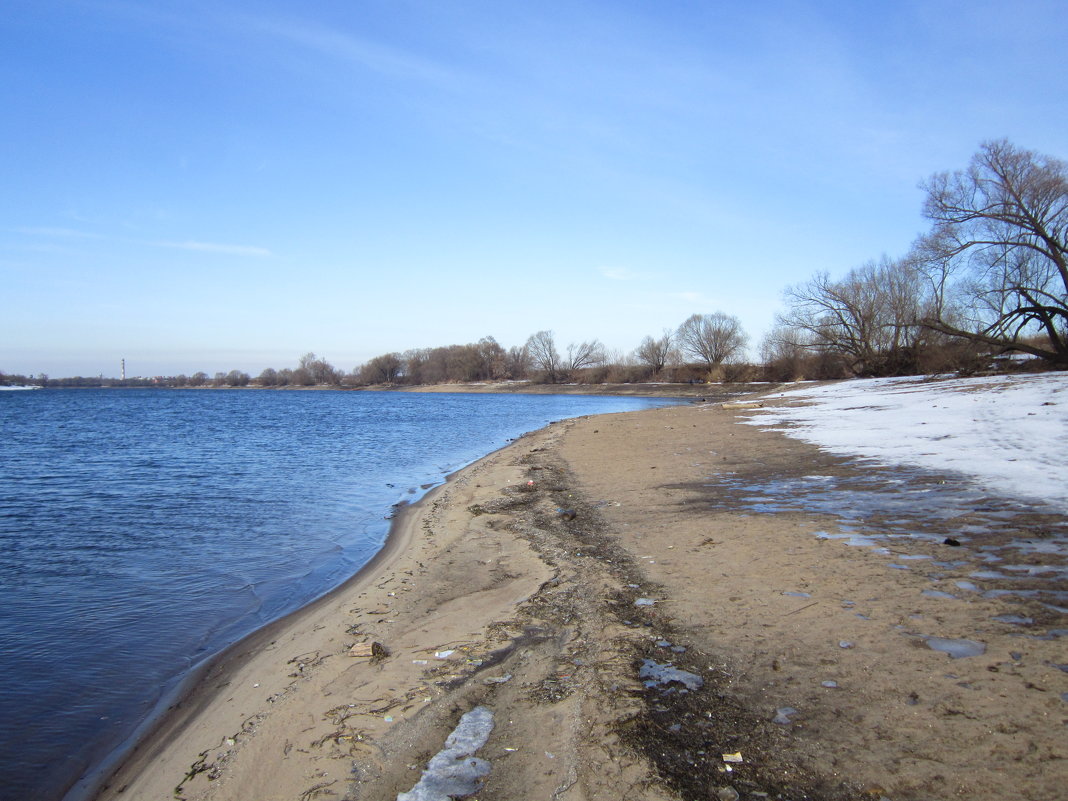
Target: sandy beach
643, 624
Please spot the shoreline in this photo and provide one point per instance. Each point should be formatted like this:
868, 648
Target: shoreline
804, 656
83, 769
201, 690
191, 694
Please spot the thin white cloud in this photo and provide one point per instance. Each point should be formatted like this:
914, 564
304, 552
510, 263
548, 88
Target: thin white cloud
383, 59
215, 247
52, 232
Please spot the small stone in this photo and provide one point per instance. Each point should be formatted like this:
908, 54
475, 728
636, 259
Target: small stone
361, 650
727, 793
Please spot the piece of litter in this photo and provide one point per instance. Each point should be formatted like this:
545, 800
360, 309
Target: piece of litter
644, 602
498, 679
511, 749
443, 654
830, 685
735, 757
845, 644
420, 662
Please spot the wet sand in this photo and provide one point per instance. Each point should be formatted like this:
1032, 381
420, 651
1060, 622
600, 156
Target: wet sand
664, 557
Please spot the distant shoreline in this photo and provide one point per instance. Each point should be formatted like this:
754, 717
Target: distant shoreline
646, 390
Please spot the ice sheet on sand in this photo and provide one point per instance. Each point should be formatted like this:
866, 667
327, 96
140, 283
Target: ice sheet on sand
1005, 432
656, 674
455, 771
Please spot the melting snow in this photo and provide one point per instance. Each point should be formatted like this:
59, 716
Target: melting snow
1005, 432
656, 674
455, 771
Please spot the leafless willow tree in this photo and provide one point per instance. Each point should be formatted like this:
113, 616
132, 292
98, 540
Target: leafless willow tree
712, 338
870, 316
997, 256
541, 349
656, 353
585, 354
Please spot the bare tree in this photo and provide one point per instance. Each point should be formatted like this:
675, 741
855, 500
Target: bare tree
585, 354
517, 362
998, 251
656, 352
783, 353
301, 377
237, 378
541, 348
870, 316
383, 369
713, 338
493, 359
320, 370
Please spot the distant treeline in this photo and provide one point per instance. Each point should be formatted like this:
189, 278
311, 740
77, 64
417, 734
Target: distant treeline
988, 279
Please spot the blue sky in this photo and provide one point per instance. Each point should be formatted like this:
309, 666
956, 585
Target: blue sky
217, 185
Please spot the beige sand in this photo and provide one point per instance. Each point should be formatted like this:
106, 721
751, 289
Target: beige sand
488, 595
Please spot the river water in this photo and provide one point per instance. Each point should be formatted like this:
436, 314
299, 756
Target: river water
142, 531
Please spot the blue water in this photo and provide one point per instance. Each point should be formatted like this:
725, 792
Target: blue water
142, 531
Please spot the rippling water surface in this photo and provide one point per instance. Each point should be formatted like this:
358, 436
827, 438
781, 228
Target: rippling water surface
144, 530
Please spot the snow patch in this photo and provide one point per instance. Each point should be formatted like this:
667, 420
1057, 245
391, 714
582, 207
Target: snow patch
455, 771
1004, 432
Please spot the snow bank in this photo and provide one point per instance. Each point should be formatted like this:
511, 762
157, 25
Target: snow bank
1007, 433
